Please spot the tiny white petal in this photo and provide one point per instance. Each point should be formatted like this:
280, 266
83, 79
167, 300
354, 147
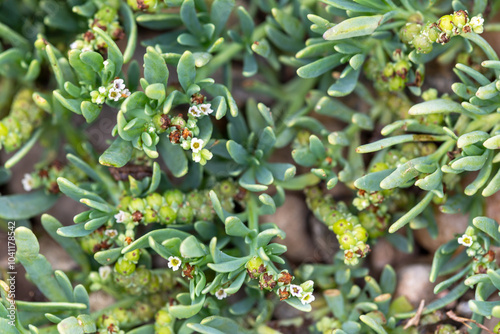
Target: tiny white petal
106, 62
118, 84
111, 233
27, 182
104, 272
196, 145
174, 262
125, 92
307, 298
120, 217
74, 45
295, 290
102, 90
465, 240
221, 294
195, 111
205, 108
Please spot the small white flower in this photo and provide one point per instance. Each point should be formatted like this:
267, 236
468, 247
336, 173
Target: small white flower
100, 99
221, 294
476, 24
118, 84
102, 90
105, 63
197, 157
28, 182
74, 45
125, 92
114, 94
195, 111
307, 298
174, 262
205, 108
104, 272
196, 145
295, 290
120, 217
111, 233
465, 240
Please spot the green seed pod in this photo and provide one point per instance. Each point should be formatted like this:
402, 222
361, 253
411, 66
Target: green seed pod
496, 329
445, 23
121, 315
154, 201
141, 276
388, 70
125, 202
378, 166
106, 14
150, 216
396, 84
360, 234
163, 318
179, 121
137, 204
206, 212
332, 217
227, 188
174, 197
409, 31
133, 256
185, 214
401, 68
124, 267
347, 240
255, 267
460, 18
144, 311
422, 44
195, 199
167, 215
341, 226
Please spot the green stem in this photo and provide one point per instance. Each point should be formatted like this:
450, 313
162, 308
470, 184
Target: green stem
131, 26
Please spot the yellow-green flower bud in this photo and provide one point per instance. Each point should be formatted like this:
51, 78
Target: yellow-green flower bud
124, 267
460, 18
445, 23
167, 215
409, 31
133, 256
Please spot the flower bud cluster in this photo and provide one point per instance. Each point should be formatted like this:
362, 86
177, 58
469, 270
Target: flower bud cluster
352, 236
394, 75
279, 283
46, 177
105, 18
483, 259
164, 322
117, 320
144, 5
422, 37
173, 206
24, 117
183, 132
114, 91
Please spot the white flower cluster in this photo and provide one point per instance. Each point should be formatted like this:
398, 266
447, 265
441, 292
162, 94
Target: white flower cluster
297, 291
199, 110
115, 91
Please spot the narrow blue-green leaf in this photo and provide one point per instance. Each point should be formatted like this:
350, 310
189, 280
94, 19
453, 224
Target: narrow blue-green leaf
354, 27
23, 206
118, 154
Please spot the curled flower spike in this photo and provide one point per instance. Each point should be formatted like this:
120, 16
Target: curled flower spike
120, 217
296, 290
196, 145
221, 294
27, 182
465, 240
174, 262
307, 298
